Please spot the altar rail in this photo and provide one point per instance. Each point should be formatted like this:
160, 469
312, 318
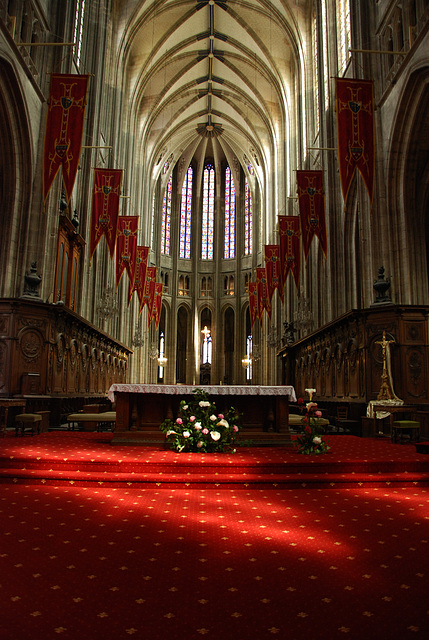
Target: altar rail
343, 360
47, 350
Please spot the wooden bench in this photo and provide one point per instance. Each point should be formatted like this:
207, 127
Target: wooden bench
108, 418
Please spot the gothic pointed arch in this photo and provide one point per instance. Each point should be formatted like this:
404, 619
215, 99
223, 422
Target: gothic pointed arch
408, 189
15, 168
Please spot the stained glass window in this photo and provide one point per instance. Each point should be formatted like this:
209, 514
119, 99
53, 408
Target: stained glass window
152, 231
78, 30
185, 216
166, 219
325, 53
167, 164
249, 165
343, 32
316, 71
208, 213
229, 243
248, 220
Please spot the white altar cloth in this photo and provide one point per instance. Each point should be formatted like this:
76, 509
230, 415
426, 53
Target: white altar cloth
215, 390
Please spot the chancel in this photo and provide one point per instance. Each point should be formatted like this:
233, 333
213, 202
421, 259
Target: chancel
228, 196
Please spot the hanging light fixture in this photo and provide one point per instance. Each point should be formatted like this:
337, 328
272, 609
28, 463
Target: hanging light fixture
153, 351
138, 340
107, 305
303, 316
273, 340
256, 353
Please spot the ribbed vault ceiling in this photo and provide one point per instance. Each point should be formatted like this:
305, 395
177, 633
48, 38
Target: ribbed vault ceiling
205, 68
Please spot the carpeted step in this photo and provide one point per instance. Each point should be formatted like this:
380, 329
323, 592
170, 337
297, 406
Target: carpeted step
206, 465
233, 480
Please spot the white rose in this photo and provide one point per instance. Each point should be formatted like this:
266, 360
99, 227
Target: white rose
199, 444
197, 425
186, 434
317, 440
215, 435
185, 407
213, 418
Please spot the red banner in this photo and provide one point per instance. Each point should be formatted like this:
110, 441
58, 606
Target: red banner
290, 255
253, 302
155, 309
355, 129
126, 247
105, 208
273, 269
264, 300
311, 200
142, 255
149, 288
64, 129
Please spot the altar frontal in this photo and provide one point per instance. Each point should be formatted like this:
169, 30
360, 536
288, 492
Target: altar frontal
141, 408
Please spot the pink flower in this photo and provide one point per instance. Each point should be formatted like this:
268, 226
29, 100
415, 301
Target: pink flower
235, 428
318, 414
179, 421
221, 416
205, 431
192, 418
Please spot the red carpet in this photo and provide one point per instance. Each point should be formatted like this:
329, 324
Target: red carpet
246, 563
78, 459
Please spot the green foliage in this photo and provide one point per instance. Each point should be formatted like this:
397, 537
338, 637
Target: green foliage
201, 428
311, 440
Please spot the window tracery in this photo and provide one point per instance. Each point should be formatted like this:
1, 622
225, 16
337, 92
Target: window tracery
229, 238
185, 216
208, 213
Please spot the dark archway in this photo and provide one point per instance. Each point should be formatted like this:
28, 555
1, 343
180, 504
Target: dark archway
229, 343
181, 345
15, 168
408, 190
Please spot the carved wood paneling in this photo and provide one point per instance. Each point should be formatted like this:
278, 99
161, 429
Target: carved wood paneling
69, 355
343, 360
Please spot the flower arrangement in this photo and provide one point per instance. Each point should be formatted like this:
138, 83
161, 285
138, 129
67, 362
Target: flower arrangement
201, 428
311, 440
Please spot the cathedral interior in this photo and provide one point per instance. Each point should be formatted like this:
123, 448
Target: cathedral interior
210, 109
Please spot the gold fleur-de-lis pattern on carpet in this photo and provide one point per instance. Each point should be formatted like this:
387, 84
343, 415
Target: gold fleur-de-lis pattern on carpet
106, 560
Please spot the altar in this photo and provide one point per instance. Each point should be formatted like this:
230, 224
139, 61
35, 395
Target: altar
141, 408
